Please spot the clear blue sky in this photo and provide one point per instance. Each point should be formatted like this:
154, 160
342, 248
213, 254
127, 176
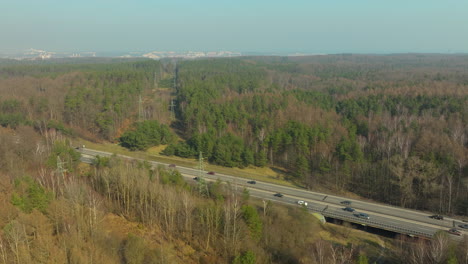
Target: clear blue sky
314, 26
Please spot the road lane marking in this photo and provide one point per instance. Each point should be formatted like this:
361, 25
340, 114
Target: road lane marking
303, 192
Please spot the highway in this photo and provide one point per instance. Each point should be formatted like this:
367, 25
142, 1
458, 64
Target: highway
391, 218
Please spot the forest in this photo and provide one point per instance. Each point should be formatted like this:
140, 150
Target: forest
389, 128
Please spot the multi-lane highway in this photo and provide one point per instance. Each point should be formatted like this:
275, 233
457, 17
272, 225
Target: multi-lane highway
404, 221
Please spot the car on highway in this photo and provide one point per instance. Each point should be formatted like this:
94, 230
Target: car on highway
251, 182
302, 203
349, 209
464, 226
278, 195
454, 231
437, 217
211, 173
362, 215
345, 202
172, 165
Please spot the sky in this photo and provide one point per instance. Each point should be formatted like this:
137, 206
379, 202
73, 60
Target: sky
267, 26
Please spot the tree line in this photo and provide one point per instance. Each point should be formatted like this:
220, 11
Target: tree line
389, 128
346, 131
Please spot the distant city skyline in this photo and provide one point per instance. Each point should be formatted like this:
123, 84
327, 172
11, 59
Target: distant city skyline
48, 54
302, 26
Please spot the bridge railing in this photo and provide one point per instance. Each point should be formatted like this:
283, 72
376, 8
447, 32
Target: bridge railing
368, 222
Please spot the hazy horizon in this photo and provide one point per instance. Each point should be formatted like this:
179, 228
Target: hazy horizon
320, 27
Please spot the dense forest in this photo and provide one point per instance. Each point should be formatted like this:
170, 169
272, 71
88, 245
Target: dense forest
389, 128
58, 210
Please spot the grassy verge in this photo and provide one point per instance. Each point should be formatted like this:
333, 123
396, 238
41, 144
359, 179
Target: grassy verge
261, 174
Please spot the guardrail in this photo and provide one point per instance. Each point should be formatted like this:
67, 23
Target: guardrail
353, 219
368, 222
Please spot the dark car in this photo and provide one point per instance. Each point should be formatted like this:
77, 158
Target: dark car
362, 215
278, 195
437, 217
211, 173
346, 202
464, 226
251, 182
349, 209
172, 165
454, 231
196, 178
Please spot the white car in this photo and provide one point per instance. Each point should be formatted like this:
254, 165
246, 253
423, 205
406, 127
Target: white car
302, 203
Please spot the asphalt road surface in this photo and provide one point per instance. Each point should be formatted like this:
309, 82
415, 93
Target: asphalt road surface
391, 218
